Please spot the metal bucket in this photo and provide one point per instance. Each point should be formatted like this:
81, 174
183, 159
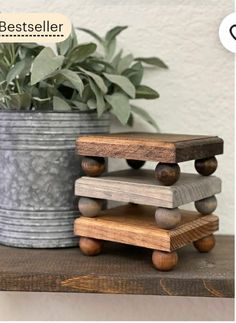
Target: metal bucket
38, 169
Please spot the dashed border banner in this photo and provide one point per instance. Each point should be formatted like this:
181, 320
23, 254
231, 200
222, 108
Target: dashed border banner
30, 27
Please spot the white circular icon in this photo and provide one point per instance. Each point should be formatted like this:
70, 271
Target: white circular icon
227, 32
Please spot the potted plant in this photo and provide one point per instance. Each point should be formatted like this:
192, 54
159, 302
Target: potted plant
47, 99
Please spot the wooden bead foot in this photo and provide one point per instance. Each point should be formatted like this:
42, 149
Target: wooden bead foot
167, 174
135, 164
206, 166
90, 247
93, 166
164, 261
205, 244
90, 207
207, 205
167, 218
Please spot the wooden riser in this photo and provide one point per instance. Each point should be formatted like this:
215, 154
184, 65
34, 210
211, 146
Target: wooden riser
140, 186
135, 225
167, 148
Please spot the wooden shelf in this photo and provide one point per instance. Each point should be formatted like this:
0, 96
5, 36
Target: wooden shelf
121, 269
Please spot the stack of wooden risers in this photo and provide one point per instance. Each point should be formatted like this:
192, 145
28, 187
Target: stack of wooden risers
152, 217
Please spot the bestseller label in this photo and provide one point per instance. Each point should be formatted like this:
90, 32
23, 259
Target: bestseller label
33, 27
45, 26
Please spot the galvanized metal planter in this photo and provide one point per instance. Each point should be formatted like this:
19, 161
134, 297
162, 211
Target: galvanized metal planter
38, 168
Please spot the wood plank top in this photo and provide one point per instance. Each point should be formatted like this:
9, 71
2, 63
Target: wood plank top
135, 225
168, 148
120, 269
140, 186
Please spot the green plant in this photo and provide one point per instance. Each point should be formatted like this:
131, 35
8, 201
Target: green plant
76, 77
123, 74
15, 65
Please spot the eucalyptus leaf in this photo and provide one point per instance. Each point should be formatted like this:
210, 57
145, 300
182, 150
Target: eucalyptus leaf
30, 45
20, 70
87, 93
97, 79
74, 37
110, 49
145, 115
155, 61
99, 98
15, 71
130, 122
27, 68
91, 66
117, 59
74, 79
98, 61
68, 44
135, 73
91, 33
145, 92
120, 106
64, 46
45, 64
4, 69
81, 52
92, 104
124, 63
115, 31
79, 105
123, 82
60, 105
28, 51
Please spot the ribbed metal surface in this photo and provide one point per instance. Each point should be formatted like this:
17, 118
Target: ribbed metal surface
38, 168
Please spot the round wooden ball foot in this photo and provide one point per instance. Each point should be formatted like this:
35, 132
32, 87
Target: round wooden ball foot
205, 244
90, 207
206, 166
93, 166
90, 247
167, 218
135, 164
207, 205
164, 261
167, 174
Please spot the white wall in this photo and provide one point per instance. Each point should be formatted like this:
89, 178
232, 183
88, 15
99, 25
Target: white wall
95, 307
196, 97
196, 92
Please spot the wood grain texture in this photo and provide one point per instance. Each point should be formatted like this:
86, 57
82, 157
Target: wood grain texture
140, 186
90, 207
207, 205
167, 148
205, 244
119, 269
206, 166
135, 225
90, 247
167, 174
167, 218
164, 261
93, 166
